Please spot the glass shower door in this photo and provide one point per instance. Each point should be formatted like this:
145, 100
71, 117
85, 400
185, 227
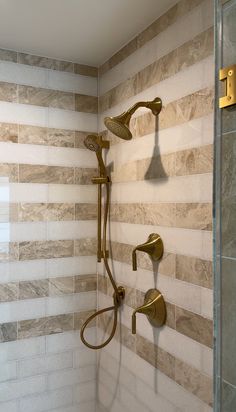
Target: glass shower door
225, 214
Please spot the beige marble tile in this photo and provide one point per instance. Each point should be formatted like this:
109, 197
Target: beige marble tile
33, 289
158, 214
45, 326
156, 356
8, 92
46, 136
194, 161
9, 251
9, 291
45, 62
81, 317
170, 315
9, 172
8, 332
8, 55
102, 284
195, 49
85, 70
194, 326
8, 132
85, 211
194, 381
124, 335
41, 212
83, 176
45, 174
85, 283
46, 97
86, 104
85, 247
194, 270
79, 139
194, 216
46, 250
61, 286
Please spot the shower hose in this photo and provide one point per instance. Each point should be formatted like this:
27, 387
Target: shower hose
118, 291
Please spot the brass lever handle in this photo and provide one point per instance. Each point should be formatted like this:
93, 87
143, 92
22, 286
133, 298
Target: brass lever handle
153, 246
154, 308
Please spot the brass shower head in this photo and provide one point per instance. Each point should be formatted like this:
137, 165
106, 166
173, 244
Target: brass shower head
119, 125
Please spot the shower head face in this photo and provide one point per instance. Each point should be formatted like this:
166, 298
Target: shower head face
91, 143
118, 127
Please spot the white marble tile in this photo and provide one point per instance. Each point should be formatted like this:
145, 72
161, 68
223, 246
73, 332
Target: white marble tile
81, 265
71, 303
26, 192
22, 309
69, 157
69, 340
70, 377
176, 189
71, 120
72, 193
85, 392
25, 348
27, 231
9, 406
83, 356
45, 364
22, 270
23, 387
46, 401
8, 371
207, 303
71, 229
23, 114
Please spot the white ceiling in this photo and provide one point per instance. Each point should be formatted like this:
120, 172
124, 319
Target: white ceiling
84, 31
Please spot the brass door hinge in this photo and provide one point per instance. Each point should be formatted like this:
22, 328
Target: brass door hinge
228, 75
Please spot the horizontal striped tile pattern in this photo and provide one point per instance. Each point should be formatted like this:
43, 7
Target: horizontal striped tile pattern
159, 25
201, 47
156, 188
185, 375
187, 268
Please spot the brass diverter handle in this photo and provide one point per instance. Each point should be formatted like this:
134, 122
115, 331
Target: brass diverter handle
153, 246
154, 308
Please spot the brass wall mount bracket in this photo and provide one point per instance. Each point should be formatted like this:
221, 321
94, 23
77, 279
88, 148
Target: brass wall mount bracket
153, 246
228, 75
154, 308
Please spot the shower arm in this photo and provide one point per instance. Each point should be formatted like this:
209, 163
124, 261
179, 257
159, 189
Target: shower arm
154, 106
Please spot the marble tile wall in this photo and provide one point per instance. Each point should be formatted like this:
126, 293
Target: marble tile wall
162, 182
48, 208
